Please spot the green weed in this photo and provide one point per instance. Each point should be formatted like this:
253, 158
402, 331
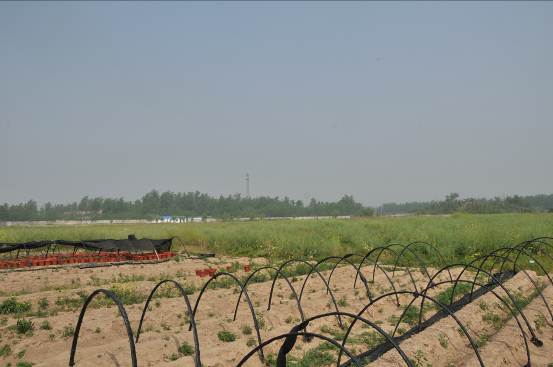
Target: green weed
23, 326
226, 336
186, 349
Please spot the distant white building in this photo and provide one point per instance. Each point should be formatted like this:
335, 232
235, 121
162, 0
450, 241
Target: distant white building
181, 219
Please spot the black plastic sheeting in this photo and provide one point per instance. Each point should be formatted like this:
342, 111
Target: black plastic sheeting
9, 247
131, 244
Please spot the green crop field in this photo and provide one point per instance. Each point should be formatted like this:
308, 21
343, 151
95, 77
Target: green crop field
459, 236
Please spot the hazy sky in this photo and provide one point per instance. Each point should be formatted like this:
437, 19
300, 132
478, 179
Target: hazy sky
387, 102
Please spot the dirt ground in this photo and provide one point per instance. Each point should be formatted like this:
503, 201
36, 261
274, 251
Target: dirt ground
103, 340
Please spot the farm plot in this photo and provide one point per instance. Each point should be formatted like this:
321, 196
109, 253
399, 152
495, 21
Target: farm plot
353, 310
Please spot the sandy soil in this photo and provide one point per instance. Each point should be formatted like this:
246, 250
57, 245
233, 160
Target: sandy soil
103, 341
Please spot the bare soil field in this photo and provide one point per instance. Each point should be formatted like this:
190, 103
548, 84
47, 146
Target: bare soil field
56, 297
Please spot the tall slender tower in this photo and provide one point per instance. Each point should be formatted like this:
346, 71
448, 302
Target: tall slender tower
247, 185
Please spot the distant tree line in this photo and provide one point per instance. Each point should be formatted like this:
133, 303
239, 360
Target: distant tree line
453, 204
189, 204
196, 204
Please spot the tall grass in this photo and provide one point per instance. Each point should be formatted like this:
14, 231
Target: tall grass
459, 236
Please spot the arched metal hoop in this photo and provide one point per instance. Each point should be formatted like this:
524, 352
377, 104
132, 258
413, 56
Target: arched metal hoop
340, 259
197, 360
501, 300
305, 335
250, 305
122, 313
247, 281
515, 271
415, 296
372, 325
408, 248
312, 269
381, 251
535, 340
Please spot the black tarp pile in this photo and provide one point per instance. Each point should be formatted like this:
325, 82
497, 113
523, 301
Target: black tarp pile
131, 244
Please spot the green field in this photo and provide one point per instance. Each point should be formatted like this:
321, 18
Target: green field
459, 237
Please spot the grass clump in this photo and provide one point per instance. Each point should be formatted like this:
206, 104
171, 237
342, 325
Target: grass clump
68, 331
482, 340
127, 295
493, 319
369, 339
290, 319
540, 322
444, 297
443, 339
336, 334
226, 336
12, 306
186, 349
343, 302
43, 304
411, 315
23, 326
318, 356
5, 351
45, 325
420, 359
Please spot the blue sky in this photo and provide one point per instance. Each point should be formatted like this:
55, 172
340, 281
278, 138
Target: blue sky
385, 101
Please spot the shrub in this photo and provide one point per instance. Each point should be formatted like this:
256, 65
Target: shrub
246, 330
